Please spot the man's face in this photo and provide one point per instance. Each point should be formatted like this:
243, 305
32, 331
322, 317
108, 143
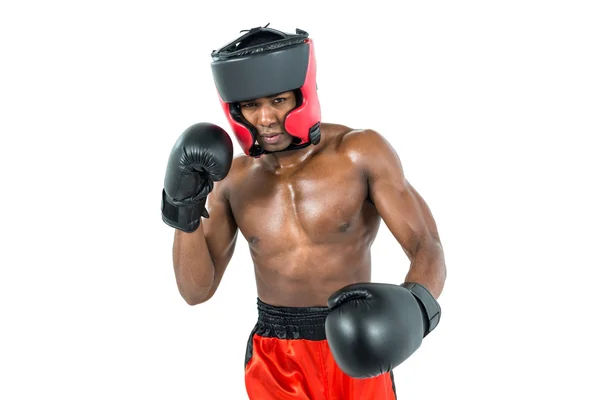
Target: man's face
267, 115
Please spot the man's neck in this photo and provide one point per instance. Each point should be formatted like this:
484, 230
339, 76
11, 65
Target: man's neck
287, 159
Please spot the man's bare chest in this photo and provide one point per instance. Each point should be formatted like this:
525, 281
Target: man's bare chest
313, 204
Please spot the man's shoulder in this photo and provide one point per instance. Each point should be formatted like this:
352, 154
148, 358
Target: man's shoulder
241, 162
239, 165
354, 140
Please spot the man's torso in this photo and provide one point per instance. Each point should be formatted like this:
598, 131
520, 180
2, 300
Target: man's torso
309, 226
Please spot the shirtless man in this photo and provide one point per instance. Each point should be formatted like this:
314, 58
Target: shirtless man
308, 197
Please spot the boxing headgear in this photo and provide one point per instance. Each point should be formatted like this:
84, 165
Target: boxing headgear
285, 62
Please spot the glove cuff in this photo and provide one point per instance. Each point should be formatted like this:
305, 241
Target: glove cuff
429, 305
185, 217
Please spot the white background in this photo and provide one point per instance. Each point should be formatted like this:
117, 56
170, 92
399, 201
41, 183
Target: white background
493, 108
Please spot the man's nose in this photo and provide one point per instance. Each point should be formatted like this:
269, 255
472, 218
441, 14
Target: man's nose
266, 116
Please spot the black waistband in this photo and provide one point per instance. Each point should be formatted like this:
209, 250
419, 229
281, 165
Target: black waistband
291, 322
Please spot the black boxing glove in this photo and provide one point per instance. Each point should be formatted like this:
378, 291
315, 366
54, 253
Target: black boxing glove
372, 327
201, 156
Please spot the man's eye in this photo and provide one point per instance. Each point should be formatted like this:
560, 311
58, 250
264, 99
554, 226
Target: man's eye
279, 100
248, 105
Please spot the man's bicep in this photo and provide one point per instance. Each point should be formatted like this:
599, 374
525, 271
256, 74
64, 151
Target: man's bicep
405, 213
220, 229
401, 207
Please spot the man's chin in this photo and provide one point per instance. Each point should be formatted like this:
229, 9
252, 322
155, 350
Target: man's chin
279, 146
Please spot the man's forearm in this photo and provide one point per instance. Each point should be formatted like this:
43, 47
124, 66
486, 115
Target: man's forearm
428, 267
194, 269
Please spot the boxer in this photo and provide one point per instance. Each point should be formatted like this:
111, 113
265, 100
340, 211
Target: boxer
308, 197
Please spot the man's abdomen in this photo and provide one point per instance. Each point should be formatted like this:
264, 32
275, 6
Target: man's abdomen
307, 276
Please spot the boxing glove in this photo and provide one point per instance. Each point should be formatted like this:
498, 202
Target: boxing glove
372, 327
202, 155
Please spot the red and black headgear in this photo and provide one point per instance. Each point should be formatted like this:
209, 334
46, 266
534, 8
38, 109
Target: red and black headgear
282, 62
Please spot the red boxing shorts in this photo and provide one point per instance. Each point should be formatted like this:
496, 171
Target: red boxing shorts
288, 358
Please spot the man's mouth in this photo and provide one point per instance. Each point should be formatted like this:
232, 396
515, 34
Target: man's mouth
271, 137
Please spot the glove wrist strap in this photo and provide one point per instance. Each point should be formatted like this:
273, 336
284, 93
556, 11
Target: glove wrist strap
429, 305
183, 217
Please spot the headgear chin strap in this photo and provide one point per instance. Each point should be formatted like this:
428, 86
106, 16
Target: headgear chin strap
287, 62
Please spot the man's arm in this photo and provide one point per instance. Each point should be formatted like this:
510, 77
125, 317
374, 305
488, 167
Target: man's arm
201, 257
403, 210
